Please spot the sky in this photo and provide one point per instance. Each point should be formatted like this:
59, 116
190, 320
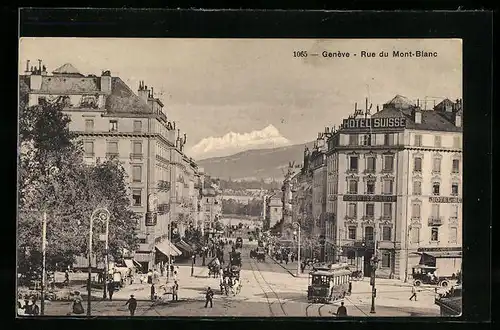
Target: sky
229, 95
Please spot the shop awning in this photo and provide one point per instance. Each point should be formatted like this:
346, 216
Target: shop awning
184, 247
166, 247
444, 254
142, 257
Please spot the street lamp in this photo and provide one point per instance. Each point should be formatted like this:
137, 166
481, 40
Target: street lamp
192, 264
373, 264
103, 215
298, 247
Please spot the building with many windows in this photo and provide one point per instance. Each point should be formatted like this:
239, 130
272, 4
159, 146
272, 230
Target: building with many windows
114, 122
394, 188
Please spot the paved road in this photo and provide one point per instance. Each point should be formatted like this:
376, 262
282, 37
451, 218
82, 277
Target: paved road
268, 290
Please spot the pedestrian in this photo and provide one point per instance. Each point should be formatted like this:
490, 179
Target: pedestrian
35, 309
153, 291
302, 266
413, 293
175, 275
132, 305
171, 268
350, 288
27, 306
175, 289
111, 290
342, 311
150, 277
209, 297
66, 277
76, 306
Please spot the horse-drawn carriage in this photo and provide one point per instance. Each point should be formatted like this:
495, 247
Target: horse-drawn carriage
230, 281
214, 267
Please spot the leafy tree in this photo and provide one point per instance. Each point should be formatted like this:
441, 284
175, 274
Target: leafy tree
54, 179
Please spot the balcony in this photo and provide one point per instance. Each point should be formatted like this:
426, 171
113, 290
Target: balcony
387, 170
385, 217
112, 155
352, 171
136, 155
368, 217
370, 171
435, 221
163, 208
386, 245
163, 185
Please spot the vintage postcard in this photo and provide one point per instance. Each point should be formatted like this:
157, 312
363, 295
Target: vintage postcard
240, 177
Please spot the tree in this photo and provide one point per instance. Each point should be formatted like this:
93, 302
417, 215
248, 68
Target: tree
54, 179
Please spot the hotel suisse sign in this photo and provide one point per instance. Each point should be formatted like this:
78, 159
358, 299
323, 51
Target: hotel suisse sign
369, 198
391, 122
445, 199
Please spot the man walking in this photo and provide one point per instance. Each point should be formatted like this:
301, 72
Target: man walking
413, 293
175, 289
153, 291
132, 305
342, 311
208, 297
111, 289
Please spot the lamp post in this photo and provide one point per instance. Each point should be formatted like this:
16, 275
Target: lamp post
192, 264
298, 247
373, 264
102, 214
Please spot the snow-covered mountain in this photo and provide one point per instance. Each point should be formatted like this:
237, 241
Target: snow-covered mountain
231, 143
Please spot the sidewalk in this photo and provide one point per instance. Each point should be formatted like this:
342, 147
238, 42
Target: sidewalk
190, 287
291, 268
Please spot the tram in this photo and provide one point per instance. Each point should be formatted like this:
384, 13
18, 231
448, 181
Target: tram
327, 285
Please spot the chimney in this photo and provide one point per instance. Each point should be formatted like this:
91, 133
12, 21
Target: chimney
106, 82
174, 125
143, 91
36, 79
44, 70
417, 115
152, 92
39, 66
27, 66
378, 108
458, 114
185, 138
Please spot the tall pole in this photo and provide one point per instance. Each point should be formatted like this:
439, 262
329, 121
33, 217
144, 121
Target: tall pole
44, 271
89, 289
298, 254
106, 260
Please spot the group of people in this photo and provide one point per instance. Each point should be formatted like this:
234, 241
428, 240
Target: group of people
27, 306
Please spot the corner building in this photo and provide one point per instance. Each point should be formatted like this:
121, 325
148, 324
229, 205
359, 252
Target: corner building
394, 188
114, 122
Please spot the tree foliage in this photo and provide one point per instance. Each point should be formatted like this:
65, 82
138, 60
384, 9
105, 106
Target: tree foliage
54, 179
252, 208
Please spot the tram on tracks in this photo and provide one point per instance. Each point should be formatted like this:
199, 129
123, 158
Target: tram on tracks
328, 284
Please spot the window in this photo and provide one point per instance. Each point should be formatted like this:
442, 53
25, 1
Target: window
137, 197
353, 140
434, 234
370, 187
388, 163
113, 125
454, 211
415, 235
415, 210
353, 187
88, 148
89, 125
386, 233
418, 140
370, 210
435, 210
137, 173
387, 211
388, 139
137, 147
112, 147
456, 142
435, 188
367, 140
387, 187
437, 141
370, 164
351, 256
369, 233
386, 259
454, 189
436, 165
352, 232
417, 188
137, 126
352, 210
417, 164
353, 163
453, 234
455, 166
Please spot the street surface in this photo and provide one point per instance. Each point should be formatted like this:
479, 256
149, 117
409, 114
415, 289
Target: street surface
268, 290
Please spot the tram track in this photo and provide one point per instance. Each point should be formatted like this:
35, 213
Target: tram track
318, 310
270, 301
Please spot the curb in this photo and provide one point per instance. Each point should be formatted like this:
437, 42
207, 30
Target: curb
288, 270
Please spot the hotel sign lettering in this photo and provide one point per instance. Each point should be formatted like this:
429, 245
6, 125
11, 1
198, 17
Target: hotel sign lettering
391, 122
445, 199
369, 198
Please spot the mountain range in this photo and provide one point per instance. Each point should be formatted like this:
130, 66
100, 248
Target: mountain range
256, 164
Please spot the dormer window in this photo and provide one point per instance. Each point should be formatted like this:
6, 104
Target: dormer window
418, 117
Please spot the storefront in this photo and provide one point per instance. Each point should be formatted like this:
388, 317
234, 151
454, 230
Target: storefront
448, 261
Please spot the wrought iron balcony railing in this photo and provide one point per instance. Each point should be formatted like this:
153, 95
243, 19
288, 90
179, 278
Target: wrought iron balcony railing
435, 221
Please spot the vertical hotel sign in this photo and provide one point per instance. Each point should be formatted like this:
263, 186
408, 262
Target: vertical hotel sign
152, 211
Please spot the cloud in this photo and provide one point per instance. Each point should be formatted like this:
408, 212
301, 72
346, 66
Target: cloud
231, 143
